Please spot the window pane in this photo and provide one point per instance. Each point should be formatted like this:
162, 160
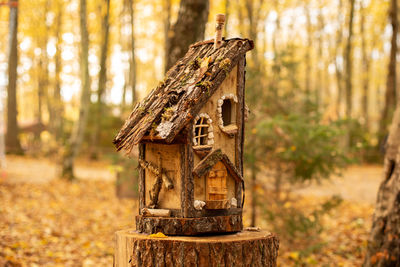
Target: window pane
227, 112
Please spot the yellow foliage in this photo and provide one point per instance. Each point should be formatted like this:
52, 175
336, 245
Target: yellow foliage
294, 255
158, 235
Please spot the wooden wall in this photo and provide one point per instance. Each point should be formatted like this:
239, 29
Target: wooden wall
171, 161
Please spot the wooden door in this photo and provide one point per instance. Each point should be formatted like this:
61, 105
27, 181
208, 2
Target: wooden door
216, 182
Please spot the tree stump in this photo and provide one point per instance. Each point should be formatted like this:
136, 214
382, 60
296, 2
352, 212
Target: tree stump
246, 248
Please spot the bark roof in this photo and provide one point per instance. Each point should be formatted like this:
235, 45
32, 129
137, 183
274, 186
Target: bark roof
186, 87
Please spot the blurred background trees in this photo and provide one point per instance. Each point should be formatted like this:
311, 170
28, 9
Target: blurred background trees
321, 83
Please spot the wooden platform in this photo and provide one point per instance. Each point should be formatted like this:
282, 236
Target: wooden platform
189, 226
246, 248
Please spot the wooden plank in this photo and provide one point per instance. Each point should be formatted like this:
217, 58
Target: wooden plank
240, 122
182, 152
189, 176
142, 197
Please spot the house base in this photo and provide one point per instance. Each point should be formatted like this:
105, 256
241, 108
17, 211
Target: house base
246, 248
189, 226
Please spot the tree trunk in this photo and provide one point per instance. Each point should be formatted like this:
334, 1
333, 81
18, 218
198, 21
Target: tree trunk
246, 248
43, 73
307, 59
189, 28
105, 26
167, 28
227, 13
338, 68
132, 63
253, 16
72, 148
383, 246
391, 83
365, 68
58, 108
12, 140
322, 85
349, 63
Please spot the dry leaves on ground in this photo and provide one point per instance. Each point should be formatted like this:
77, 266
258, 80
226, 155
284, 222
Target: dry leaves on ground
61, 223
73, 224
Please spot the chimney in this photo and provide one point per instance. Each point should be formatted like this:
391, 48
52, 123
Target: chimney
219, 26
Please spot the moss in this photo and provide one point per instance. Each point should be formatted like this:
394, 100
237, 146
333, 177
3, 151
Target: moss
225, 64
205, 85
195, 64
168, 112
153, 131
185, 78
141, 109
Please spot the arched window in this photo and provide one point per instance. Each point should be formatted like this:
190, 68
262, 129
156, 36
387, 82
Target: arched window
202, 130
227, 113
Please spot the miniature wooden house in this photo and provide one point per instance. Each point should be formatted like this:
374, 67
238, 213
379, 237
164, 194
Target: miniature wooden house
190, 132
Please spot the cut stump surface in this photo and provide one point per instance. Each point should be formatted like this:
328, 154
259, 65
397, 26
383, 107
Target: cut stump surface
246, 248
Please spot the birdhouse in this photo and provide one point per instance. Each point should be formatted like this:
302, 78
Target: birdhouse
190, 133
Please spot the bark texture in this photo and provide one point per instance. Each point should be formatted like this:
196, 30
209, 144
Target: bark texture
390, 95
383, 245
12, 141
189, 226
241, 249
189, 28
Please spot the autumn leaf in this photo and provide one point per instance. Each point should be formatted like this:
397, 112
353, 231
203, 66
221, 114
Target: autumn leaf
158, 235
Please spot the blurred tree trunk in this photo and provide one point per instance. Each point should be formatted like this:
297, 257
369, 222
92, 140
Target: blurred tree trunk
349, 63
383, 246
365, 67
132, 62
322, 84
12, 140
189, 28
43, 72
101, 87
391, 83
253, 8
73, 146
307, 57
227, 13
253, 12
338, 66
240, 18
57, 114
167, 28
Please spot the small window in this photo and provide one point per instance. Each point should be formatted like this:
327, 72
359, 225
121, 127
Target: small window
226, 108
201, 131
227, 112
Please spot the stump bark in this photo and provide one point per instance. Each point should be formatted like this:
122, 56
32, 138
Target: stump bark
246, 248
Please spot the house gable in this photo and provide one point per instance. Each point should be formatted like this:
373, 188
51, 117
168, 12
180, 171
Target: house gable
187, 87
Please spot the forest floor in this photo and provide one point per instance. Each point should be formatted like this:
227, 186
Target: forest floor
45, 221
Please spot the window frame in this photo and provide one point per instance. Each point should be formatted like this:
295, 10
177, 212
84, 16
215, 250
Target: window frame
231, 128
205, 122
